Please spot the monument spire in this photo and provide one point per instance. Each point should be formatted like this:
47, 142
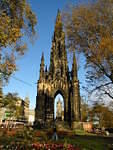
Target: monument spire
58, 58
57, 80
42, 67
58, 25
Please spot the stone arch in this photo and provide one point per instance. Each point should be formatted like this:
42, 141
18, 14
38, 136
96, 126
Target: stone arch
59, 91
65, 98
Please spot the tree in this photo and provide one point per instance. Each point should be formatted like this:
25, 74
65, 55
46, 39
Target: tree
1, 97
89, 29
84, 110
17, 21
10, 101
103, 113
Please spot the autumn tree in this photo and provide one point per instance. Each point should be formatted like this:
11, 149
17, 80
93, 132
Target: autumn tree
1, 97
84, 110
17, 22
10, 101
89, 30
103, 113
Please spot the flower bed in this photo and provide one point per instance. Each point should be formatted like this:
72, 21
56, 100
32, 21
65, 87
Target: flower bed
53, 146
11, 133
38, 146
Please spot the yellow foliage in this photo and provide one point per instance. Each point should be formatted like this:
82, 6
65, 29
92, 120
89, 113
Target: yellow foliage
89, 29
16, 21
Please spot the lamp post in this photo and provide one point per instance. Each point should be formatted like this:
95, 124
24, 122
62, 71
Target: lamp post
87, 109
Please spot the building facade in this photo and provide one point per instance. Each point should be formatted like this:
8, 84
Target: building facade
57, 79
26, 108
31, 116
23, 112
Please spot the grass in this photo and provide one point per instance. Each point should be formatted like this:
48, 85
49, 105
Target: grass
89, 141
87, 144
82, 132
79, 138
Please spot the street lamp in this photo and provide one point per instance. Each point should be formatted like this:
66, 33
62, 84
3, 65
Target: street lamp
87, 109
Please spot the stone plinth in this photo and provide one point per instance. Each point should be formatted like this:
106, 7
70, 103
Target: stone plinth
77, 125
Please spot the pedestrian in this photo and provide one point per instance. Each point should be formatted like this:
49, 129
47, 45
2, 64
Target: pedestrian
55, 136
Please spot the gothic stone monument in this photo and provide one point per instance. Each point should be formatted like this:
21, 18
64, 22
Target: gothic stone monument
58, 80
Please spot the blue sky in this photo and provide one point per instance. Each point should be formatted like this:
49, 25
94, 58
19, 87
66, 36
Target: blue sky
28, 65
